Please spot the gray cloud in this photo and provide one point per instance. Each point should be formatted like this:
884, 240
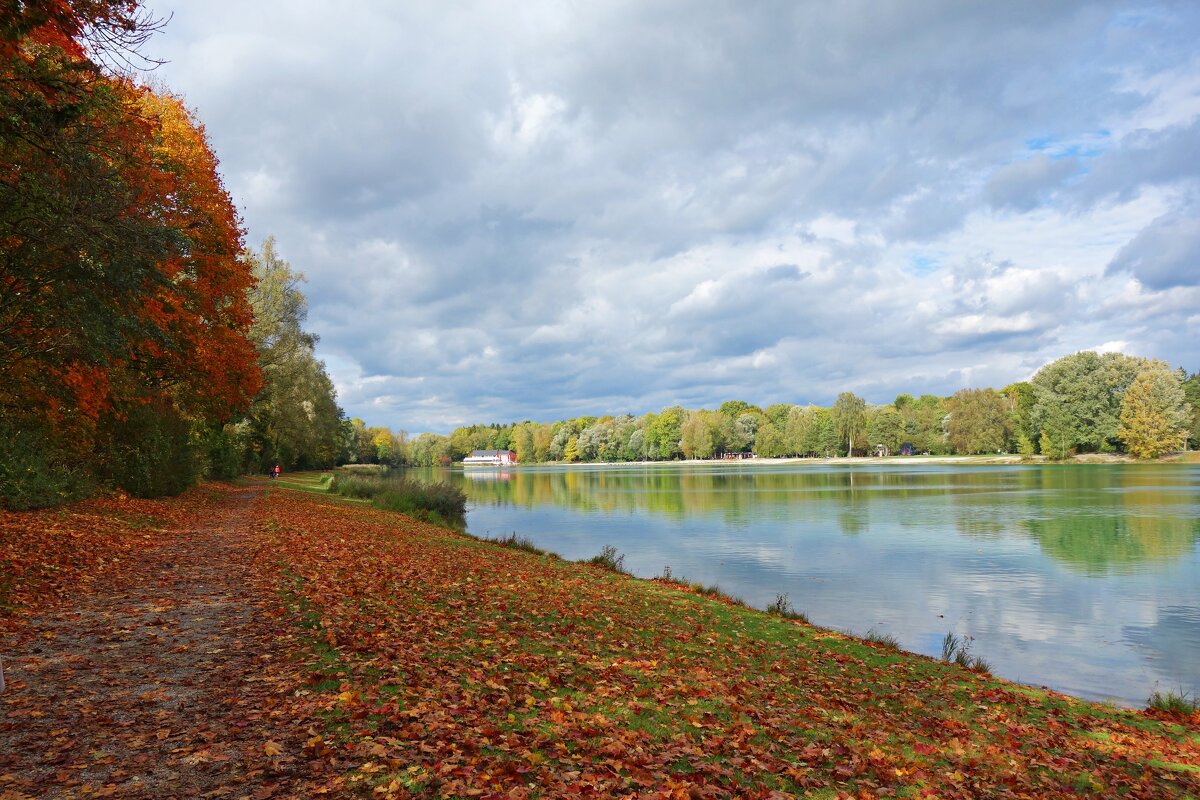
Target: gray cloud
560, 210
1024, 185
1166, 253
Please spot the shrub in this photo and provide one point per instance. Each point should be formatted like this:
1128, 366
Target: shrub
34, 473
885, 639
609, 559
518, 543
151, 454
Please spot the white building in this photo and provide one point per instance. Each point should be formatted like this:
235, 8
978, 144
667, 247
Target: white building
490, 458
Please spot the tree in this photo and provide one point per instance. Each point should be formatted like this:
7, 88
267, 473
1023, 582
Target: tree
1020, 398
1077, 399
849, 419
700, 434
1154, 413
121, 295
886, 429
771, 441
924, 424
664, 432
978, 421
1191, 392
295, 419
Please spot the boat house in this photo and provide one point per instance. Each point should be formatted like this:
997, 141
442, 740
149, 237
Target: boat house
490, 458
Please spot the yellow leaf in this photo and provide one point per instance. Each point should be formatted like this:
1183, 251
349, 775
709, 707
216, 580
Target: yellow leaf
272, 748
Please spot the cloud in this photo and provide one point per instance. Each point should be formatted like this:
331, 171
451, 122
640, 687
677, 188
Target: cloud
1165, 253
1025, 185
560, 209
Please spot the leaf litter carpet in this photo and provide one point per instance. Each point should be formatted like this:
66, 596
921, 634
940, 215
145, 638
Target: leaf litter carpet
259, 643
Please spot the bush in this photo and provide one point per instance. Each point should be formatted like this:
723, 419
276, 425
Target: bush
152, 454
35, 473
220, 454
782, 607
886, 639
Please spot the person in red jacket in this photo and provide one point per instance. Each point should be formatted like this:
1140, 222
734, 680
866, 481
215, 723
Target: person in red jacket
275, 472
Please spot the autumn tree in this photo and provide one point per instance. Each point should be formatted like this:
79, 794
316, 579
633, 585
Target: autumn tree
1154, 413
978, 421
123, 316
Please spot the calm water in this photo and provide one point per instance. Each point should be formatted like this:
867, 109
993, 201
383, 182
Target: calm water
1082, 578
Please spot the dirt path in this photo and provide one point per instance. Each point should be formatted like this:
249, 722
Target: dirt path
158, 684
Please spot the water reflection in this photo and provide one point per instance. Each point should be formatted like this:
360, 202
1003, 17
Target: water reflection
1083, 578
1092, 519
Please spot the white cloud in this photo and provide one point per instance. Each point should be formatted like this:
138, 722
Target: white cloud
554, 209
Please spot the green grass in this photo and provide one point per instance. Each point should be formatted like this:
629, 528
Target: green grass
438, 503
1179, 703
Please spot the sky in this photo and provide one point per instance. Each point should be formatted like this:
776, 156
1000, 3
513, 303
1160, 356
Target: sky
541, 210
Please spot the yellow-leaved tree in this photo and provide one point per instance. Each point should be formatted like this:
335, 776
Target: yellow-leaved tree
1154, 418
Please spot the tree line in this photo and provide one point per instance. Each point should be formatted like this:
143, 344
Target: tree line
1082, 403
141, 345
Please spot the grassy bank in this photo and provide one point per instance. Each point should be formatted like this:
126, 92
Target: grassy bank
437, 503
457, 667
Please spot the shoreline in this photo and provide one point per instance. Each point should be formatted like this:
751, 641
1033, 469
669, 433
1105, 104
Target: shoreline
1002, 459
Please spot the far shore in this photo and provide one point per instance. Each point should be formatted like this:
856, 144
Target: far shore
998, 459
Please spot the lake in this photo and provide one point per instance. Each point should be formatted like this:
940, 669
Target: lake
1083, 578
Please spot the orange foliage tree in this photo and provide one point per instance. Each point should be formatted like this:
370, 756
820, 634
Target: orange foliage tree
120, 285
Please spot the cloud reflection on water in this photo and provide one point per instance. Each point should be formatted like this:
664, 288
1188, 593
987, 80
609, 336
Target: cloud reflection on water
1085, 579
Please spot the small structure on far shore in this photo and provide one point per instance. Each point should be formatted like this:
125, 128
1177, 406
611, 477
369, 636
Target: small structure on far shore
490, 458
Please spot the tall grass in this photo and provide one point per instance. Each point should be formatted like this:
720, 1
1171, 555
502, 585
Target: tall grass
957, 650
439, 503
782, 607
609, 559
1179, 704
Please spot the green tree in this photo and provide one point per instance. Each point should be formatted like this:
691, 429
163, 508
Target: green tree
1020, 398
887, 429
1191, 392
700, 434
771, 441
664, 432
1077, 399
849, 418
295, 419
924, 424
1154, 414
